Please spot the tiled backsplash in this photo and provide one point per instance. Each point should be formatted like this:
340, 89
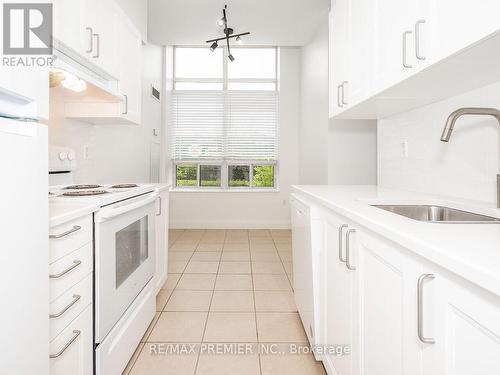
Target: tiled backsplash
466, 167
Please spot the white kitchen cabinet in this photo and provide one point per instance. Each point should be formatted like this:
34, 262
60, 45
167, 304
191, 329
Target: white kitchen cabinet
71, 352
130, 53
162, 205
339, 307
70, 27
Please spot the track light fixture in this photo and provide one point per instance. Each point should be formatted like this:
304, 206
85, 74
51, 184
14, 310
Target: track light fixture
228, 34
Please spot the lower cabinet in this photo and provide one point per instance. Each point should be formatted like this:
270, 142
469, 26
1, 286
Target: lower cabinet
71, 351
400, 313
161, 240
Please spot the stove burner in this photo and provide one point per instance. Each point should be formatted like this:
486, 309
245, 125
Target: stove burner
84, 193
81, 187
124, 186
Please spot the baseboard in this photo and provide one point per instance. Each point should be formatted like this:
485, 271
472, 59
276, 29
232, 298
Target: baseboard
229, 224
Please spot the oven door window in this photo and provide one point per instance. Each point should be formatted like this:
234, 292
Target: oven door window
131, 249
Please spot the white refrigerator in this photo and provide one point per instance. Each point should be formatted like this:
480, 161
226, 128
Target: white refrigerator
24, 280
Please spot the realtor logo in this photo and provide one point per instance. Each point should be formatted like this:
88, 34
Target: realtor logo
27, 29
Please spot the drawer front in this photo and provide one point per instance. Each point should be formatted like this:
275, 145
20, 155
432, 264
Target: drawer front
71, 351
70, 270
69, 236
69, 305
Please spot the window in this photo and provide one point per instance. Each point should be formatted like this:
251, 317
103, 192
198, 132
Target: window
224, 132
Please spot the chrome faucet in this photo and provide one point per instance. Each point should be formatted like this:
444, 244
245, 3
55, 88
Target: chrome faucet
455, 115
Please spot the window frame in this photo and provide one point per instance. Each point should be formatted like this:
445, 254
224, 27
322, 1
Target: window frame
224, 164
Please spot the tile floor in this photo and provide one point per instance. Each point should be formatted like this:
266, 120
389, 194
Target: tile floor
225, 286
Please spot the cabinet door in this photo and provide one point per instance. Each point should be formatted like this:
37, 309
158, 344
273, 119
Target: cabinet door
161, 240
338, 297
340, 54
69, 26
107, 29
464, 321
387, 287
130, 52
462, 23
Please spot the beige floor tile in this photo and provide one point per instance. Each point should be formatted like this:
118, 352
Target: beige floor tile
172, 280
288, 267
189, 300
232, 301
236, 241
271, 282
236, 256
230, 327
244, 246
272, 301
133, 359
252, 233
162, 298
282, 240
202, 267
179, 327
234, 268
150, 327
210, 247
193, 281
280, 233
204, 256
265, 256
304, 364
262, 247
233, 282
149, 363
283, 246
267, 268
184, 246
177, 266
212, 240
280, 327
286, 256
180, 255
261, 241
228, 365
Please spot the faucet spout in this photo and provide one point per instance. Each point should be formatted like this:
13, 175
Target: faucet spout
455, 115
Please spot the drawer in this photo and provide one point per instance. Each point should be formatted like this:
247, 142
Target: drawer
67, 237
71, 352
70, 270
69, 305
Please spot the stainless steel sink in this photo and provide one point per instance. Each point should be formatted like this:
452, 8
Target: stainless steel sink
438, 214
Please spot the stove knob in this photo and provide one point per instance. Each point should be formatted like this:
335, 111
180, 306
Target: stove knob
71, 156
63, 156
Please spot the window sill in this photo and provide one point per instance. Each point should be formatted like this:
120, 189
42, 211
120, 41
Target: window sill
235, 190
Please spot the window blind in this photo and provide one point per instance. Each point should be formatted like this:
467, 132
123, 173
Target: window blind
230, 125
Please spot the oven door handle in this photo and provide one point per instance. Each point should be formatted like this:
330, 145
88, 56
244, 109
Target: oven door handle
110, 212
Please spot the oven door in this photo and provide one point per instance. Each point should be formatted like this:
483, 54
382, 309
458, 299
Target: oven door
124, 257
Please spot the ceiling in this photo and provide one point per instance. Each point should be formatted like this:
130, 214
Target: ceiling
271, 22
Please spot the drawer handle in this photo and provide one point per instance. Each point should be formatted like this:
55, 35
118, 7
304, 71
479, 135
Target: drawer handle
420, 308
60, 352
341, 229
76, 228
76, 263
348, 250
76, 298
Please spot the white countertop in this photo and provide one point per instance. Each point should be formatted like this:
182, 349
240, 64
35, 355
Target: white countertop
62, 212
469, 250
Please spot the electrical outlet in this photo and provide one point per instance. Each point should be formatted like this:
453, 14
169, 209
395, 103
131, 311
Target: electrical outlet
86, 152
404, 149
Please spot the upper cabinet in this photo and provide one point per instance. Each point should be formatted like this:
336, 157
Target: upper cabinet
389, 56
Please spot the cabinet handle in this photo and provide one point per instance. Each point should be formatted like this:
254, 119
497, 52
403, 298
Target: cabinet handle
76, 263
341, 234
343, 92
339, 104
417, 40
98, 45
91, 44
126, 104
76, 298
420, 308
405, 63
159, 207
76, 334
348, 250
75, 228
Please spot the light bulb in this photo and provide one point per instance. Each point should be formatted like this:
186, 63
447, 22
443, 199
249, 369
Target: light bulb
213, 46
221, 22
73, 83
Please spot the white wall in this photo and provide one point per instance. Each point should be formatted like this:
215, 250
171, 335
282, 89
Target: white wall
313, 134
258, 209
117, 153
466, 167
137, 11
